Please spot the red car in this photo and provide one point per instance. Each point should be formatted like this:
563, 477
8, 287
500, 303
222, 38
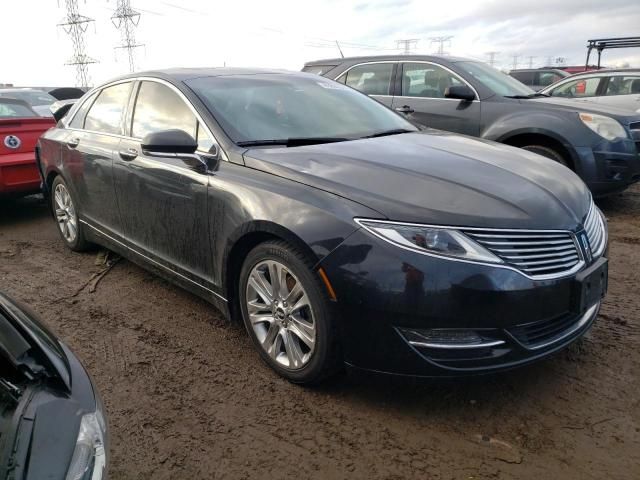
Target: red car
20, 128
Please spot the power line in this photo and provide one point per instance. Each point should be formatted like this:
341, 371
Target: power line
441, 41
126, 20
407, 45
75, 25
492, 58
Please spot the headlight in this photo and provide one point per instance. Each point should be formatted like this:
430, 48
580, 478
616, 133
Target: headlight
89, 459
606, 127
430, 240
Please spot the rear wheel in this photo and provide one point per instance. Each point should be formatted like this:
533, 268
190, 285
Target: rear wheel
66, 215
287, 313
546, 152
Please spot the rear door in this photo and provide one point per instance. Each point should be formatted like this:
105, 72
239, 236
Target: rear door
373, 78
163, 201
423, 100
93, 136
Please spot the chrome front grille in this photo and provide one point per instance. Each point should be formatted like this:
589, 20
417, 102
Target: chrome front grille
539, 254
595, 230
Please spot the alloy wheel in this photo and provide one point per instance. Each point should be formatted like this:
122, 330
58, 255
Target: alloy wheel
65, 213
280, 314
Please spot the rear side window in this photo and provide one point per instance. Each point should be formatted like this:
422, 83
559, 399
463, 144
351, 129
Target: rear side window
81, 113
623, 85
372, 79
105, 115
546, 78
318, 69
8, 110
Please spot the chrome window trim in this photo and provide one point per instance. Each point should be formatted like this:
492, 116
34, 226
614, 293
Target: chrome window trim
151, 259
452, 346
172, 87
455, 74
576, 268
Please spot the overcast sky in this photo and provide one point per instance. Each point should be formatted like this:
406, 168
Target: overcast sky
285, 34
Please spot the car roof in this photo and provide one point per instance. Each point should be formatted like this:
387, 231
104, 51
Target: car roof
183, 74
541, 69
607, 70
397, 57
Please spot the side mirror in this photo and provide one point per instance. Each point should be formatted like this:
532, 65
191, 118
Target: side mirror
60, 108
172, 141
460, 92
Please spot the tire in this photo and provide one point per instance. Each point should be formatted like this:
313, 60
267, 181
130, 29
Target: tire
297, 338
65, 212
546, 152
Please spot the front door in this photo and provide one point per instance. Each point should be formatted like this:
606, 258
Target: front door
423, 100
163, 200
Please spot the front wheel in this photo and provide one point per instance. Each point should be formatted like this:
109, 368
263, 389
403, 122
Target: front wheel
546, 152
286, 312
66, 215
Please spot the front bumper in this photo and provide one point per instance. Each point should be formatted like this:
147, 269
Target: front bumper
609, 167
387, 298
19, 174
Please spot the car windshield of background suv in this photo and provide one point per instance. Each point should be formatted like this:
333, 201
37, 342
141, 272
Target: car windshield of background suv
279, 107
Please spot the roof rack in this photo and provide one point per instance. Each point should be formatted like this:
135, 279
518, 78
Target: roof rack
601, 44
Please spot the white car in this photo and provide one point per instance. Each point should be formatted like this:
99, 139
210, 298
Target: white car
614, 87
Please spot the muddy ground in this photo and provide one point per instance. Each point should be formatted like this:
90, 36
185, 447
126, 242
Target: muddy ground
188, 398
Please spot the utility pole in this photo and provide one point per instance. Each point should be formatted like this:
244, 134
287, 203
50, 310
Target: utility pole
531, 57
126, 20
75, 25
515, 61
407, 44
339, 49
441, 41
492, 58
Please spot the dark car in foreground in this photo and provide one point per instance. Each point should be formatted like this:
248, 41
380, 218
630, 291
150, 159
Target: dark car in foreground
335, 229
538, 78
51, 419
601, 143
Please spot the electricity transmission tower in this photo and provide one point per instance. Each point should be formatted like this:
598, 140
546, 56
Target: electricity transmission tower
407, 44
126, 20
492, 58
441, 41
515, 61
531, 57
75, 25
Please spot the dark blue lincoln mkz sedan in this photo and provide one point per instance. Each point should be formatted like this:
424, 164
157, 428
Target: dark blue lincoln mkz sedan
331, 226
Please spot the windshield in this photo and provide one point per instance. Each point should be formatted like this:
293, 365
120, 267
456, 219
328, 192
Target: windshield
253, 108
34, 98
496, 81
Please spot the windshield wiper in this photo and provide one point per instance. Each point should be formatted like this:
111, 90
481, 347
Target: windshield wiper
292, 142
396, 131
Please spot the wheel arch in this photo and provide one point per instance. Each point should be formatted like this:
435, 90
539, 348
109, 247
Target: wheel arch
524, 136
245, 238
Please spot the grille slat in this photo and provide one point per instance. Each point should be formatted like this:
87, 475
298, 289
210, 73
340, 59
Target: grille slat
594, 228
536, 253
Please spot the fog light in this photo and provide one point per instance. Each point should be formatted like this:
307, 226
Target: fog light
448, 338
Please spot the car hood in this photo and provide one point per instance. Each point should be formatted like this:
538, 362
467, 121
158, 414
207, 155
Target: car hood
439, 178
590, 105
29, 345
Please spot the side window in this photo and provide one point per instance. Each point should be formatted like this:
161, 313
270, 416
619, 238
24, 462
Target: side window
426, 80
620, 85
372, 79
205, 142
546, 78
158, 108
105, 115
585, 87
81, 113
524, 77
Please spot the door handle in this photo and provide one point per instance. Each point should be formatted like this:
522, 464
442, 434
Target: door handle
128, 154
73, 142
405, 109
